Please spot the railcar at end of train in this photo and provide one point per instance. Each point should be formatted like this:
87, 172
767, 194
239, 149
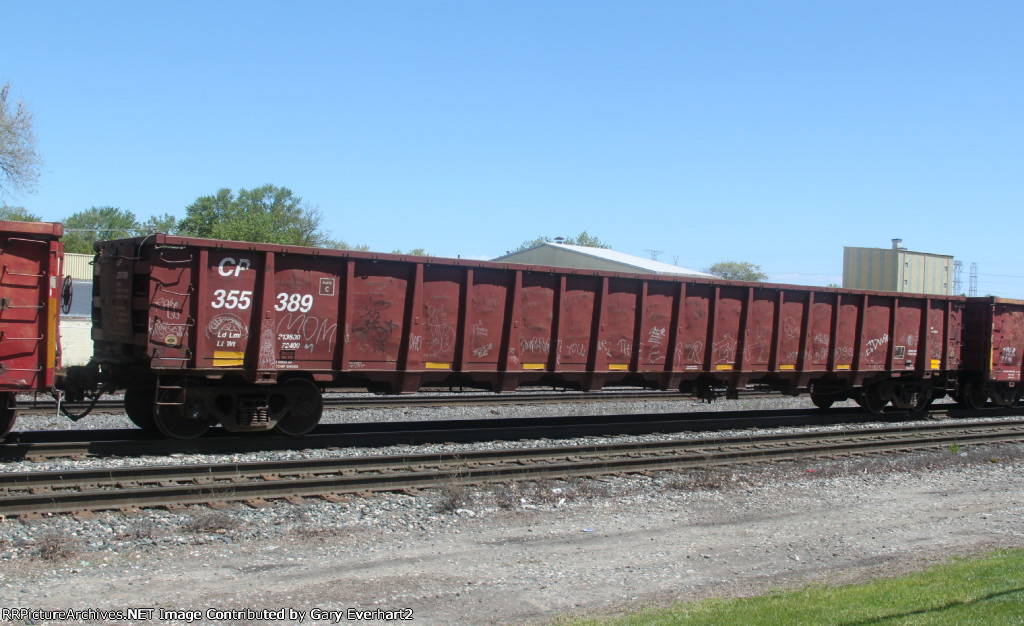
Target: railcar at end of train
31, 254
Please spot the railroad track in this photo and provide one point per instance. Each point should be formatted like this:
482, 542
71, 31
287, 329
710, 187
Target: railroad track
33, 493
41, 445
43, 406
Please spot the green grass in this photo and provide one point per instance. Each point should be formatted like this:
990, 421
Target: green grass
985, 590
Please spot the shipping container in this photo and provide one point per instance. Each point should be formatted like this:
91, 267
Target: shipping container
245, 335
30, 282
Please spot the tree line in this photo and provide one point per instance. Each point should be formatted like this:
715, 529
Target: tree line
267, 214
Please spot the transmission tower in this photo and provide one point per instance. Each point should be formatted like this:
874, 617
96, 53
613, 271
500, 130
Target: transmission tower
972, 281
958, 277
654, 254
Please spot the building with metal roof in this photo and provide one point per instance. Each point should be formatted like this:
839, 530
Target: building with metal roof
897, 269
586, 258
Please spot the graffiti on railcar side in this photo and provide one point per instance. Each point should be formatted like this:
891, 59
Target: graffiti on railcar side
790, 328
655, 341
689, 352
540, 345
375, 327
478, 333
725, 348
483, 350
575, 349
440, 333
757, 350
267, 360
874, 344
171, 307
169, 333
312, 330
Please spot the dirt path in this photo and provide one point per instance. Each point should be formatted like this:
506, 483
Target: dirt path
533, 564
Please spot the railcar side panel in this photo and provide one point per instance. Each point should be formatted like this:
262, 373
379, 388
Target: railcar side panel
846, 333
488, 304
659, 304
303, 332
1007, 341
171, 304
692, 346
535, 321
619, 325
723, 337
877, 326
994, 338
438, 319
790, 332
377, 296
819, 339
30, 275
761, 330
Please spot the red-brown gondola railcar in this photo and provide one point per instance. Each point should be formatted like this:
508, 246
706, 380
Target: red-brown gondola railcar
31, 254
993, 351
245, 335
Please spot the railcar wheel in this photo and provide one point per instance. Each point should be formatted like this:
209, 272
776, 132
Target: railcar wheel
8, 412
822, 401
178, 417
872, 400
138, 405
973, 396
306, 405
911, 397
1003, 395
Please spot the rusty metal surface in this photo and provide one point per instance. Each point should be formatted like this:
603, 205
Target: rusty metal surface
30, 279
994, 333
359, 319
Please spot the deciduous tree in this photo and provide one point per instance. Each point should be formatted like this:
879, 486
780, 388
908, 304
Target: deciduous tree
18, 214
84, 228
582, 239
19, 162
267, 214
738, 270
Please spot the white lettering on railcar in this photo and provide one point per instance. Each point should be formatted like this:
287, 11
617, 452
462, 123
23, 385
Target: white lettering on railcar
875, 344
230, 267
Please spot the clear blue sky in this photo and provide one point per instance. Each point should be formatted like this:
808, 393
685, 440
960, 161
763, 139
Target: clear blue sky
771, 132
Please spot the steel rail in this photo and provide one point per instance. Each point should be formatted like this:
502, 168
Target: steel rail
38, 445
464, 398
69, 491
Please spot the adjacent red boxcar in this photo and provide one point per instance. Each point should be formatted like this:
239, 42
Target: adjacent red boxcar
993, 348
30, 275
241, 334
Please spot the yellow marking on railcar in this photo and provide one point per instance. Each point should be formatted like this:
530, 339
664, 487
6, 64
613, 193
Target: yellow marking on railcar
787, 367
936, 364
723, 367
843, 367
533, 366
437, 365
618, 367
51, 334
223, 358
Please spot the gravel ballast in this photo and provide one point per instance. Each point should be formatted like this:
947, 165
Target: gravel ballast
528, 551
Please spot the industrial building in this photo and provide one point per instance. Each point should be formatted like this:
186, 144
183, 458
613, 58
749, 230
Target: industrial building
897, 269
586, 258
76, 324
